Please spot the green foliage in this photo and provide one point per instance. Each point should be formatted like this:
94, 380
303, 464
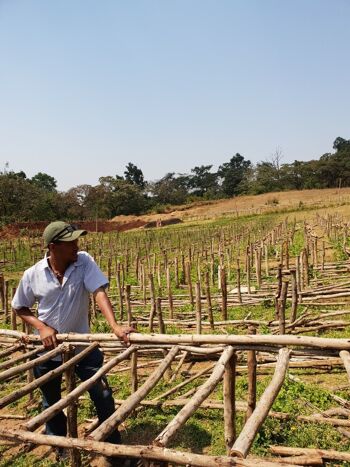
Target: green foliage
233, 174
23, 199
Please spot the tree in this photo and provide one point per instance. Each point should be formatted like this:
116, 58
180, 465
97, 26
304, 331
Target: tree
232, 174
134, 175
171, 189
21, 200
340, 143
44, 181
203, 181
120, 196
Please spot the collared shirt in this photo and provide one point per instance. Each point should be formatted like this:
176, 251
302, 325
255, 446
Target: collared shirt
64, 307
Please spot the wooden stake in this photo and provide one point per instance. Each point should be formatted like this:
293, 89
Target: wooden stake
208, 298
230, 402
198, 309
252, 365
72, 410
250, 429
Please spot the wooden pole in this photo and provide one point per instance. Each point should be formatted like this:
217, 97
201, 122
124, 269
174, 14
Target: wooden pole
330, 455
170, 295
198, 309
273, 341
133, 371
345, 356
230, 402
282, 307
250, 429
120, 293
189, 281
72, 409
294, 287
208, 298
153, 302
128, 303
126, 450
252, 365
239, 294
223, 294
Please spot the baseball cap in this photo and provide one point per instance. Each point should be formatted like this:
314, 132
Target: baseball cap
61, 231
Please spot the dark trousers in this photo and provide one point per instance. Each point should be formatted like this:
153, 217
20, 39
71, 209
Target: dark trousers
100, 393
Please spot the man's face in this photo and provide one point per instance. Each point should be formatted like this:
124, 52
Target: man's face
66, 251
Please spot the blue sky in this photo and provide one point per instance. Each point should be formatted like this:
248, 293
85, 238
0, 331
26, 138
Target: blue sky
88, 86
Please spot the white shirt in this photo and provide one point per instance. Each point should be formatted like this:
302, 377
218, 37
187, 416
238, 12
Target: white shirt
64, 307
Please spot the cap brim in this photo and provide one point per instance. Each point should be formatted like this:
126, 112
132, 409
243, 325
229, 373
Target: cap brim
71, 236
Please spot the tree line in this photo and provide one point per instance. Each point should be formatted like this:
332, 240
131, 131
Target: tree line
37, 198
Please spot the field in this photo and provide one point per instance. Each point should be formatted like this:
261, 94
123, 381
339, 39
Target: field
269, 265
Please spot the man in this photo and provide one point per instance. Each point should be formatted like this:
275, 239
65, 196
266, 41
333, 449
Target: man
61, 283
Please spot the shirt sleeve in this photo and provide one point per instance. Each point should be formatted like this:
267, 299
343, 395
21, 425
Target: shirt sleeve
24, 296
93, 276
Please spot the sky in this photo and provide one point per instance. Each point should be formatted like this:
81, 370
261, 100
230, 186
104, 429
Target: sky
87, 86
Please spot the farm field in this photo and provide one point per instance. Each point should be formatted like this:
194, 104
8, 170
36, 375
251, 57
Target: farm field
273, 265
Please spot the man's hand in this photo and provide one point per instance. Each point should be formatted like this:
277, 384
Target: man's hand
48, 336
123, 333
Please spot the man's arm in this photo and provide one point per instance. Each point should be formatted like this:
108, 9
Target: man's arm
105, 306
47, 334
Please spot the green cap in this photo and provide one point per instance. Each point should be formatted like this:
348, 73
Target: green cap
61, 231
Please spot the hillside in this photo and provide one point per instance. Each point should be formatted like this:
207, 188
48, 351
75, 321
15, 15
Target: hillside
247, 205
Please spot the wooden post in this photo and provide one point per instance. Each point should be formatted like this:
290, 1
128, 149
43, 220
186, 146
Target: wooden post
153, 302
159, 275
189, 281
282, 307
267, 272
170, 295
128, 303
278, 291
229, 390
133, 370
223, 294
176, 265
251, 362
183, 266
287, 254
144, 285
306, 267
323, 254
2, 292
258, 266
239, 282
208, 297
294, 287
198, 309
160, 315
72, 409
250, 429
248, 269
120, 293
